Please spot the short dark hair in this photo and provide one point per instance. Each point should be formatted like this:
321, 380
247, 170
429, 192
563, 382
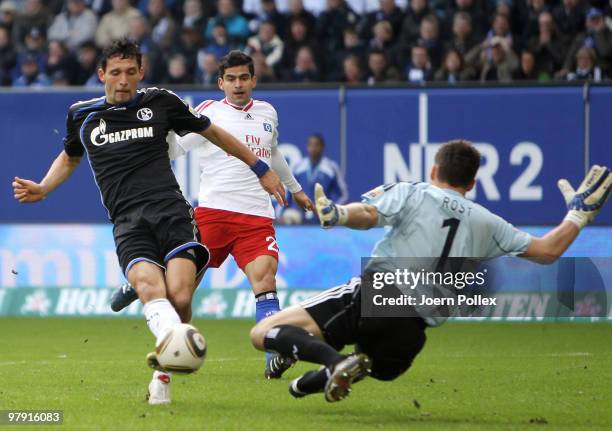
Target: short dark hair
236, 58
122, 48
457, 161
318, 137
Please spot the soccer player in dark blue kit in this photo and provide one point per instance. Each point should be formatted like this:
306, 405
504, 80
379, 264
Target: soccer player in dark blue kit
124, 135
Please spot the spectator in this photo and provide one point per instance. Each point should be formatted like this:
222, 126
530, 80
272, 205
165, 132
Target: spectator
530, 16
379, 69
352, 47
163, 26
504, 7
596, 36
268, 13
453, 69
59, 79
569, 17
383, 37
476, 13
331, 25
31, 76
263, 72
548, 46
140, 33
501, 28
34, 46
316, 168
389, 12
208, 69
586, 66
429, 37
8, 57
194, 15
418, 71
221, 45
298, 37
34, 16
267, 43
61, 66
412, 22
75, 25
305, 69
87, 62
482, 53
8, 13
296, 10
462, 39
235, 24
527, 70
352, 72
177, 73
116, 23
190, 46
502, 64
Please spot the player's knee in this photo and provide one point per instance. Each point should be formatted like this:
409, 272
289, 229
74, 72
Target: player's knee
148, 287
258, 332
180, 298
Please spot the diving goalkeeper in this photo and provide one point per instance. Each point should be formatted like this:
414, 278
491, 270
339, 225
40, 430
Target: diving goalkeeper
425, 219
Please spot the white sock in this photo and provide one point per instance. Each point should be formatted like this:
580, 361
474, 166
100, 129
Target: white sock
160, 315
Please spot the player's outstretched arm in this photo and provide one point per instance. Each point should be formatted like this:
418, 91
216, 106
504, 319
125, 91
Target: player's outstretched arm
228, 143
583, 205
355, 215
27, 191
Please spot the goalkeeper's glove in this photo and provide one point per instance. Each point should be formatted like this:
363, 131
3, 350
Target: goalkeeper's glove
329, 213
584, 204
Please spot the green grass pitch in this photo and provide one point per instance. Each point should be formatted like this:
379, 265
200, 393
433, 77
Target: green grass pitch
470, 376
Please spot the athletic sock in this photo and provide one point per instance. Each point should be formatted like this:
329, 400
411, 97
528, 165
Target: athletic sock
164, 377
160, 315
266, 304
294, 342
313, 381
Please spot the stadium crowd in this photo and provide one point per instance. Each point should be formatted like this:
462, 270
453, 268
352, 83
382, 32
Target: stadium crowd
56, 42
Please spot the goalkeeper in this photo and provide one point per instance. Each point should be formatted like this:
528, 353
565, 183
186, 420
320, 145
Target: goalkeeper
434, 220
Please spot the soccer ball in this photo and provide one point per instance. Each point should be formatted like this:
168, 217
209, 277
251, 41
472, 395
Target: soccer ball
181, 349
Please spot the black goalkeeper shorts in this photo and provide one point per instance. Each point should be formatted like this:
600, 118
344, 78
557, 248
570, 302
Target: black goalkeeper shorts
157, 232
391, 342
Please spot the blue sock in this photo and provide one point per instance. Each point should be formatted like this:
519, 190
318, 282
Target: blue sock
266, 305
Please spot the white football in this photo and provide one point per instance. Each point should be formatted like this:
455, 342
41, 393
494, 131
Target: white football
181, 349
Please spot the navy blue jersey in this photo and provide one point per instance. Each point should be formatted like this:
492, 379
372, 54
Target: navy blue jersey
126, 145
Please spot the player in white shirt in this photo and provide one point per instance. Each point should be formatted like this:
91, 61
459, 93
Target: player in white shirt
235, 214
422, 220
